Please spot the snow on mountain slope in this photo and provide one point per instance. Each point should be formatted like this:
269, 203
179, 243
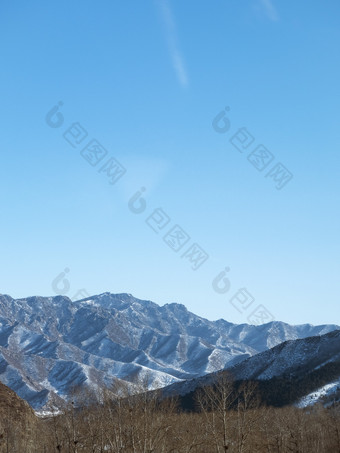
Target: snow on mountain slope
326, 392
49, 345
303, 362
291, 358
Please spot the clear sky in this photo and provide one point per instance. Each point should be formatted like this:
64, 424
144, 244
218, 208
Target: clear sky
142, 85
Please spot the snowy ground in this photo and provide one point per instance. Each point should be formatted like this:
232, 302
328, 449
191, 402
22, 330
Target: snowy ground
322, 392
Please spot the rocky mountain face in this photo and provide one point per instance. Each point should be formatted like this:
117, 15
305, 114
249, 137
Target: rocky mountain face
49, 345
300, 372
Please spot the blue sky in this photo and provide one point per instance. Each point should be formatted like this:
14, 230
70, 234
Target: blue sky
146, 79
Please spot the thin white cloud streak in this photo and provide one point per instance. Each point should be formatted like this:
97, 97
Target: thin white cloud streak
270, 10
174, 49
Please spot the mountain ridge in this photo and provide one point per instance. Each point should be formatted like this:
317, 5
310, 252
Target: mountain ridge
290, 373
50, 344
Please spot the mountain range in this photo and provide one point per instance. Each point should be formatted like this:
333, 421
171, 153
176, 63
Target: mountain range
49, 345
299, 372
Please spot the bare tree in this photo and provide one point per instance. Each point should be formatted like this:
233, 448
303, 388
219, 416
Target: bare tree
215, 402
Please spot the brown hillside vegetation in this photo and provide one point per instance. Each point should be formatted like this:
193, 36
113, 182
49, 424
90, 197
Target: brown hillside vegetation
225, 421
18, 423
